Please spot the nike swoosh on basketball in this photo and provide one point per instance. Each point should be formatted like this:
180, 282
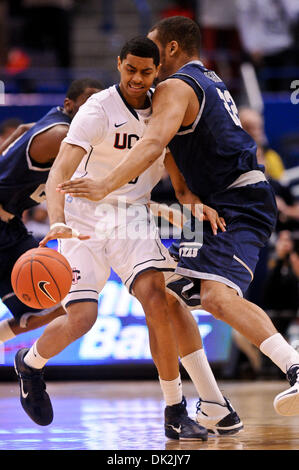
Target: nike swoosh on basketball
24, 395
121, 124
41, 286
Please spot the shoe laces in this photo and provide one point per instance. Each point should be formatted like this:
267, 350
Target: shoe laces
293, 375
198, 404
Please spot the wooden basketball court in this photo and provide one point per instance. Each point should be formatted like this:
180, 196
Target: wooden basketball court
129, 416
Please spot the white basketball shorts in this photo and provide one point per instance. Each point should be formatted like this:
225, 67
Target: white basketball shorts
122, 237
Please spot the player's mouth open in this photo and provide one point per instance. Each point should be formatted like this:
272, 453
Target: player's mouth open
134, 87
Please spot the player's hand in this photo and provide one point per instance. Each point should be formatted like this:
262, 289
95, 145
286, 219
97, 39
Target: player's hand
62, 232
91, 189
204, 212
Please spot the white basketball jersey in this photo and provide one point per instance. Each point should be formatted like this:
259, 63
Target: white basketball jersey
124, 126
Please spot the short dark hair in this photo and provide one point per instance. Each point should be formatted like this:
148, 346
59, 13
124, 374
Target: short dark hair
77, 87
141, 46
181, 29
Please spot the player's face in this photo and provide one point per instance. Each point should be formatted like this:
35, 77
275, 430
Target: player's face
166, 66
137, 75
72, 106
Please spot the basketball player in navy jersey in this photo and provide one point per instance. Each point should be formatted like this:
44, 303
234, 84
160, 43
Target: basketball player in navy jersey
25, 162
195, 115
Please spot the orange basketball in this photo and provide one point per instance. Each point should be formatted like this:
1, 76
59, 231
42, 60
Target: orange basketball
41, 278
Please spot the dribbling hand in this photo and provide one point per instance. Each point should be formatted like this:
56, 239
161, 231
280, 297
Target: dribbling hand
62, 231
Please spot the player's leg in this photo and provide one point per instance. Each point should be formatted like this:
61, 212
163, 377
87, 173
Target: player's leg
149, 289
32, 321
214, 411
253, 323
29, 363
24, 318
81, 305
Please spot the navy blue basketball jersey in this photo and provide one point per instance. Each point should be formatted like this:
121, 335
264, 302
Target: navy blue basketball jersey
22, 181
214, 151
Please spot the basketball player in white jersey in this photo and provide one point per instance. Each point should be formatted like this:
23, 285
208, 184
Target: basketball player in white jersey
95, 237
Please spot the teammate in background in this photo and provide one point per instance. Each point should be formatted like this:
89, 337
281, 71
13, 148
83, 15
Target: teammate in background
195, 115
102, 132
25, 163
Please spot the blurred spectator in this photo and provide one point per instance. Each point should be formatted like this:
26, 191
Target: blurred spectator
221, 48
7, 127
37, 221
253, 123
266, 31
281, 302
3, 32
281, 287
186, 8
108, 18
288, 207
48, 27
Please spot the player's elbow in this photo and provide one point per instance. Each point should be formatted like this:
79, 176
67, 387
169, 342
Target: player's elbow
153, 147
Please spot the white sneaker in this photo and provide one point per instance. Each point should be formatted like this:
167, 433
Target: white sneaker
218, 419
287, 402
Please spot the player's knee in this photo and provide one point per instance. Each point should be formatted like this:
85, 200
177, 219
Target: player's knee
155, 301
81, 320
173, 303
154, 304
213, 302
149, 289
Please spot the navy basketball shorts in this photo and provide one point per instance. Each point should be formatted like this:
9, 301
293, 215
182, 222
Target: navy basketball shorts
229, 257
14, 241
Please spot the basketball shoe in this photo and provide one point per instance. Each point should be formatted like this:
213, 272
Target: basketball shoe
34, 398
287, 403
178, 425
218, 419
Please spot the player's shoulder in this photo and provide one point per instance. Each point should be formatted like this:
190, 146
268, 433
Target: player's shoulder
172, 87
97, 99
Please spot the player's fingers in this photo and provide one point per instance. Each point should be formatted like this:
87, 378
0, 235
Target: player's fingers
68, 189
212, 217
83, 237
221, 224
223, 221
71, 183
46, 239
214, 227
81, 194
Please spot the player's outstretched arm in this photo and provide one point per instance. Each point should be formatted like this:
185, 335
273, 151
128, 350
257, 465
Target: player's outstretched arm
186, 197
65, 164
168, 114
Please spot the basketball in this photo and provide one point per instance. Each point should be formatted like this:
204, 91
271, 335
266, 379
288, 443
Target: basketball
41, 278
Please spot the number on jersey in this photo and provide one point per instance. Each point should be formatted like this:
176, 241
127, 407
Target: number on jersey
229, 105
39, 195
